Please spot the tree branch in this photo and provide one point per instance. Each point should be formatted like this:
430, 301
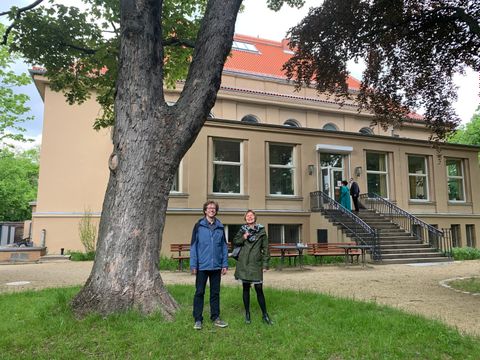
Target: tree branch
79, 48
213, 44
461, 14
17, 15
178, 42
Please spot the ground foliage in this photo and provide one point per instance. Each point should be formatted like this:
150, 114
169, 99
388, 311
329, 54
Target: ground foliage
411, 49
13, 106
306, 326
18, 183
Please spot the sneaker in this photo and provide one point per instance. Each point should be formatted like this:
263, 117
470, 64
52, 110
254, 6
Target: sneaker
198, 325
220, 323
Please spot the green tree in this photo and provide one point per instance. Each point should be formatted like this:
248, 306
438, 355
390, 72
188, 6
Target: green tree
469, 133
127, 51
411, 49
18, 183
12, 105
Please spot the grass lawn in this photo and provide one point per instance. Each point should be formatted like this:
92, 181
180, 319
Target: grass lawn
39, 325
471, 285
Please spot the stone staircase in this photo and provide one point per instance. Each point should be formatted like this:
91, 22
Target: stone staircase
396, 245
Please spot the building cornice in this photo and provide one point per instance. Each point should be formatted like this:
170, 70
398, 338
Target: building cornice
341, 135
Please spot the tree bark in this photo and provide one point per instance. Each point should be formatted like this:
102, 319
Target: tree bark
150, 139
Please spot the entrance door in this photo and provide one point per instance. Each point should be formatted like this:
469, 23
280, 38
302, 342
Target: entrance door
332, 174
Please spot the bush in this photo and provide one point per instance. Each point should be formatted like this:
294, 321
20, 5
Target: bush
87, 232
80, 256
466, 253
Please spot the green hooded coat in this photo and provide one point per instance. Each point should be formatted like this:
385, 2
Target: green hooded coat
253, 257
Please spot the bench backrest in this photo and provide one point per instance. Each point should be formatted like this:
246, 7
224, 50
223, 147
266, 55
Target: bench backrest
179, 248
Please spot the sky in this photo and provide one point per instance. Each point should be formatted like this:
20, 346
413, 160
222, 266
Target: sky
255, 20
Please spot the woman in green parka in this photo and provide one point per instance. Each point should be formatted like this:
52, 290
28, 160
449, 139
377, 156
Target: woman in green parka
252, 262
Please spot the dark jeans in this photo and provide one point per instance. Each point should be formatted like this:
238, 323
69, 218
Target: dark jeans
355, 202
214, 277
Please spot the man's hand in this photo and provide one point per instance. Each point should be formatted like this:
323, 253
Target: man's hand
194, 271
224, 271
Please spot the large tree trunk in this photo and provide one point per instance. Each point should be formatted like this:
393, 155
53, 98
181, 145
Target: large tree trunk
150, 138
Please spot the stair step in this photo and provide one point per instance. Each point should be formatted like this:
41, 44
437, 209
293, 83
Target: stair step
54, 258
405, 247
412, 255
413, 260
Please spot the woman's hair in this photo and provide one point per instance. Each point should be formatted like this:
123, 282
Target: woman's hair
344, 182
210, 202
250, 211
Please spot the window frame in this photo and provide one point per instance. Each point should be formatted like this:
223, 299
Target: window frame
378, 172
291, 123
278, 166
250, 119
462, 177
282, 232
425, 176
330, 124
227, 163
470, 238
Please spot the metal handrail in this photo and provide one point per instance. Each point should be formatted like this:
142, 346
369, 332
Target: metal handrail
416, 227
361, 232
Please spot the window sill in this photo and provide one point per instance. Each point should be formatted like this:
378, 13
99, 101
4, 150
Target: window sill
228, 196
284, 197
459, 203
178, 195
421, 202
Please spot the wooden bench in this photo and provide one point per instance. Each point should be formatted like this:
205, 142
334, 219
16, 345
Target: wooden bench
180, 253
289, 253
331, 249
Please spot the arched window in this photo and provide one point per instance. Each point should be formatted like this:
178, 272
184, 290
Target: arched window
292, 123
330, 127
366, 131
250, 119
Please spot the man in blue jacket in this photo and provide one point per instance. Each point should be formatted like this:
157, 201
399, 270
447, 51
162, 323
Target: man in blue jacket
208, 261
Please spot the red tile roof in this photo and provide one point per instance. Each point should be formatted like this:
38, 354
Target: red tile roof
268, 61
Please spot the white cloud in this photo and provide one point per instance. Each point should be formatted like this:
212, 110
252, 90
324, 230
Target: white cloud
22, 146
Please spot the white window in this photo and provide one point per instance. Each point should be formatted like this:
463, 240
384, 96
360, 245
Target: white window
231, 230
330, 127
377, 174
282, 169
290, 233
291, 123
240, 45
418, 177
227, 166
366, 131
455, 180
176, 183
252, 119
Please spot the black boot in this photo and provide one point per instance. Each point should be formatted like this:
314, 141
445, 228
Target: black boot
247, 318
266, 319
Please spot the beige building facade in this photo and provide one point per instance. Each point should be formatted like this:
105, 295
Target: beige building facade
266, 147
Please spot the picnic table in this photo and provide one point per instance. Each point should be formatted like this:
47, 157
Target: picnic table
284, 248
348, 248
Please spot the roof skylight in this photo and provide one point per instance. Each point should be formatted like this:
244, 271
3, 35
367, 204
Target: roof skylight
239, 45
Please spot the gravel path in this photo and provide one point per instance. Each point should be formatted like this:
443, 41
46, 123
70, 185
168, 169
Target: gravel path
413, 288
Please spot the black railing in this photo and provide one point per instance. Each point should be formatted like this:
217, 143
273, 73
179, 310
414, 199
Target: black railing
356, 228
420, 229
